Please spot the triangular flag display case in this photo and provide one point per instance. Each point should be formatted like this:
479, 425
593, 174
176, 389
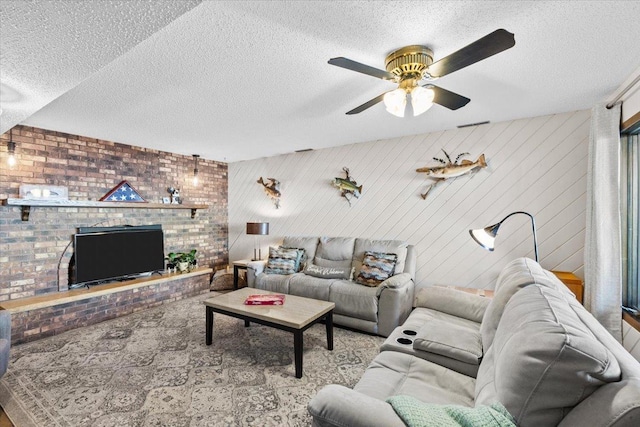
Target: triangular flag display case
123, 192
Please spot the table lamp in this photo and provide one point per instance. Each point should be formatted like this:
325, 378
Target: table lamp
257, 229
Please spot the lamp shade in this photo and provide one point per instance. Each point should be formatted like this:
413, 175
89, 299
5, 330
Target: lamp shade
421, 99
258, 228
485, 237
395, 102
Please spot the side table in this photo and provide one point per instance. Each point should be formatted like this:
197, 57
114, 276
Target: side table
571, 281
237, 266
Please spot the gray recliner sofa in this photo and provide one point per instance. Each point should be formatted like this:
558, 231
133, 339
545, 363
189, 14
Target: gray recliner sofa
377, 310
543, 357
5, 340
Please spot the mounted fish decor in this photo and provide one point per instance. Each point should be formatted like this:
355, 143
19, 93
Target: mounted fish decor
348, 187
450, 169
272, 189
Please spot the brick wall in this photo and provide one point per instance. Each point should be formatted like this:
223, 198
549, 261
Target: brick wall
43, 322
30, 252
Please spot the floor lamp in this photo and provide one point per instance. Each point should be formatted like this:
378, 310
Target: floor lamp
257, 229
486, 237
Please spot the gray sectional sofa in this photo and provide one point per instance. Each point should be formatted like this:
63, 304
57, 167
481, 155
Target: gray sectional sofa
532, 347
377, 310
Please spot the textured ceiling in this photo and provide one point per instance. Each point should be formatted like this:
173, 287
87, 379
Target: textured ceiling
48, 47
241, 80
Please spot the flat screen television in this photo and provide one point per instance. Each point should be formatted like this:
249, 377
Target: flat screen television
111, 253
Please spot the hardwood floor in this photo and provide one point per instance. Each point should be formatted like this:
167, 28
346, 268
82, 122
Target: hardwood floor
4, 420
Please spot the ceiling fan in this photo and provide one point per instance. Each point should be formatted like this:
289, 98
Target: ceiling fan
409, 65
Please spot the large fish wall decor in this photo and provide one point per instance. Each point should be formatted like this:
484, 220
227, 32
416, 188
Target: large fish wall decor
271, 188
451, 169
348, 187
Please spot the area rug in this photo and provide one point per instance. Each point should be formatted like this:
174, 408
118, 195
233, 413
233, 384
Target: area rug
152, 368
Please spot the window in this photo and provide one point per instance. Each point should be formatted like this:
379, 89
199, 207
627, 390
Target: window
630, 184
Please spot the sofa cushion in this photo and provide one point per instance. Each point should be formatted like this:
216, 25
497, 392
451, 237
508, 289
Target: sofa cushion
309, 244
454, 341
376, 268
397, 247
516, 275
543, 360
336, 248
281, 261
275, 282
354, 300
327, 272
452, 301
392, 373
310, 287
328, 263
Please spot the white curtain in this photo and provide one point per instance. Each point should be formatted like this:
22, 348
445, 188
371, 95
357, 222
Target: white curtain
602, 256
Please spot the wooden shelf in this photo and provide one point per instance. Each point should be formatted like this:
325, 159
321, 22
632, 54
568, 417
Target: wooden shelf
26, 204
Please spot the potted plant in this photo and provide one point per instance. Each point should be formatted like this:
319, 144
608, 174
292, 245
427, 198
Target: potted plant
183, 261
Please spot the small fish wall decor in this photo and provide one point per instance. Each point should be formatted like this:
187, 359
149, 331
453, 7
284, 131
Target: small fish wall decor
451, 169
348, 187
271, 188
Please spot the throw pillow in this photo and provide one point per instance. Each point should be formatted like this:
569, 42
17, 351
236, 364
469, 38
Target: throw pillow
376, 268
327, 272
300, 260
281, 261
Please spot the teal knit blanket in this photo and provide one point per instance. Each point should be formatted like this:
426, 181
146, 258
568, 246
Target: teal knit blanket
415, 413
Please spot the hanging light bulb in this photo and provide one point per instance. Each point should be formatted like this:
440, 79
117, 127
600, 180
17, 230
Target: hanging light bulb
396, 101
421, 99
11, 150
195, 169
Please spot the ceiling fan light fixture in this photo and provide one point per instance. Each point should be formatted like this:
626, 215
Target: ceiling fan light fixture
396, 102
421, 99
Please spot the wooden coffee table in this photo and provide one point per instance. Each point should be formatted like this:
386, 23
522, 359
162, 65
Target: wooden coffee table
296, 315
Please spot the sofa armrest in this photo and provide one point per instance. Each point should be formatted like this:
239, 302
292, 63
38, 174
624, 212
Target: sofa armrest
452, 301
395, 282
253, 269
395, 302
339, 406
5, 324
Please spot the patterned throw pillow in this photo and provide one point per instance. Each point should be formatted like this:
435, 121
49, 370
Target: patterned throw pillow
300, 260
376, 268
281, 261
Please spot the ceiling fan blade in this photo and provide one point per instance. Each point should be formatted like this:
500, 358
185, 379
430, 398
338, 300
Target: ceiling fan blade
483, 48
367, 104
448, 99
362, 68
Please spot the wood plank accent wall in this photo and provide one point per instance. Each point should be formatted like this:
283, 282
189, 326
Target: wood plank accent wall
536, 164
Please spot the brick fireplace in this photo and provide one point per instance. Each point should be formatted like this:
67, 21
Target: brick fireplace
34, 254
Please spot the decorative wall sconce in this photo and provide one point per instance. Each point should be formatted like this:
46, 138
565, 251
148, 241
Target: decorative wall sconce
195, 169
11, 149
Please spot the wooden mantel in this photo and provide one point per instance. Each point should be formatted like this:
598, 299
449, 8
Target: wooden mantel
26, 204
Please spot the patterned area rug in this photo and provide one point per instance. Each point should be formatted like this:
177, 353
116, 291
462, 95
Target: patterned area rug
153, 368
